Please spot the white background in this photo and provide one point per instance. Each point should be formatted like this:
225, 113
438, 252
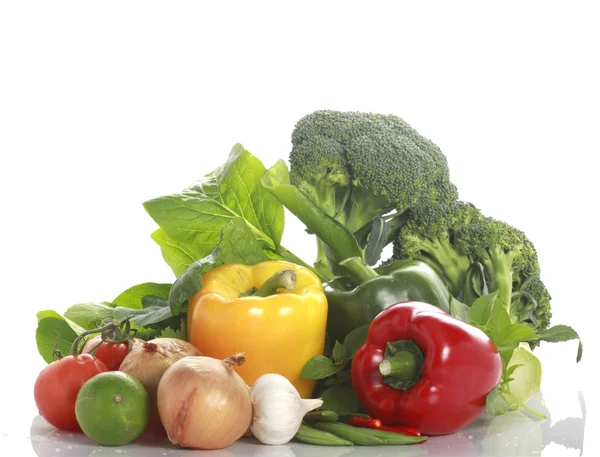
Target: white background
105, 105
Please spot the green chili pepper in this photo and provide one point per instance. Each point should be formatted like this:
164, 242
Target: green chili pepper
366, 436
310, 435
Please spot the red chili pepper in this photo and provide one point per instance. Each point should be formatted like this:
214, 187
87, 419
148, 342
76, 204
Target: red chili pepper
365, 422
377, 424
422, 368
400, 429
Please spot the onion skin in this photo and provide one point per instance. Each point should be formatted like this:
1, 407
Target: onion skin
203, 403
148, 362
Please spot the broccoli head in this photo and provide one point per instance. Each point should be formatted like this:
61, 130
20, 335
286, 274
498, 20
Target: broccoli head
431, 234
357, 166
457, 240
510, 265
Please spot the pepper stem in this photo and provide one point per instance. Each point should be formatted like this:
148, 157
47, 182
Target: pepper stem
402, 365
284, 279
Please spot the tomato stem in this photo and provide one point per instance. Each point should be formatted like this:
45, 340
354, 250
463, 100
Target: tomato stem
109, 327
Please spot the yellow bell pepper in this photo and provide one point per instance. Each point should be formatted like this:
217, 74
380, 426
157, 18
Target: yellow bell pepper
278, 333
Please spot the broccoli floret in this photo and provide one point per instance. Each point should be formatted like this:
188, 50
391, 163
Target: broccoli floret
431, 235
357, 166
531, 302
504, 251
456, 237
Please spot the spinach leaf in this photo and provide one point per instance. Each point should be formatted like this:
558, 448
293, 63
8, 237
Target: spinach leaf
145, 317
190, 282
146, 307
133, 297
177, 255
53, 330
89, 315
192, 220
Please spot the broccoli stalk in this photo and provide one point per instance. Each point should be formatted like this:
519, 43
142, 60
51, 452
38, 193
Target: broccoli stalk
504, 251
498, 267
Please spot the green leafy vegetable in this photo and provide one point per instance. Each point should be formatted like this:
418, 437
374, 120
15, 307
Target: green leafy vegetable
190, 282
481, 310
319, 367
521, 370
339, 353
54, 331
191, 221
459, 310
177, 255
146, 307
341, 399
89, 315
170, 333
355, 339
237, 245
145, 317
132, 297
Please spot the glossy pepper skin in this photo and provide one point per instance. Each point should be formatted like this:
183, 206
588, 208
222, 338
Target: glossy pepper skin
278, 334
460, 367
351, 305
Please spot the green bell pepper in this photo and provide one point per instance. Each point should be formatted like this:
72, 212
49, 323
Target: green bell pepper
352, 305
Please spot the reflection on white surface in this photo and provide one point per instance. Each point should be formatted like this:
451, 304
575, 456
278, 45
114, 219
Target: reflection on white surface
514, 434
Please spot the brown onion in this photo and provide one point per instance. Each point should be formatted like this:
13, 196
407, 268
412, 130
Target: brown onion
203, 403
149, 361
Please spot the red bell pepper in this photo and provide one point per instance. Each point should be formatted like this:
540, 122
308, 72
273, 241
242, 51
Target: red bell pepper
422, 368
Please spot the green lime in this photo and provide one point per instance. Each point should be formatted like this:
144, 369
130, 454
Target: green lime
112, 408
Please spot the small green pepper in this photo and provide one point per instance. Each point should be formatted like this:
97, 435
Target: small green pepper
352, 305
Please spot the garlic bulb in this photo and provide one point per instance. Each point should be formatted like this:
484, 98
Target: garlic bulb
278, 409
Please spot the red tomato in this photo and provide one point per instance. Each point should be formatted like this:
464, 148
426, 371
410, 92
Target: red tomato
91, 344
112, 354
58, 384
